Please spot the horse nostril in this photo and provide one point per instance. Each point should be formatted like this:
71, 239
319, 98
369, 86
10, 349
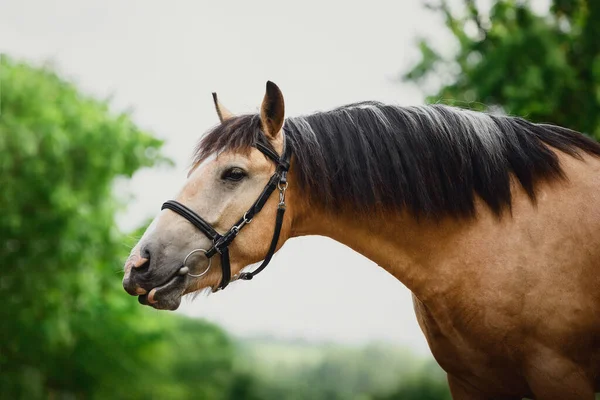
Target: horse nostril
143, 265
140, 263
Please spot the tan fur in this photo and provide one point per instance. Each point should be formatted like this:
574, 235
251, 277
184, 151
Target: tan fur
510, 306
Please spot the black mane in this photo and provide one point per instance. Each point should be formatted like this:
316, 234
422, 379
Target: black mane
432, 160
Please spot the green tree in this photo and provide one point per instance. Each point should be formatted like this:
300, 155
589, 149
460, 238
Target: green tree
542, 67
60, 153
68, 330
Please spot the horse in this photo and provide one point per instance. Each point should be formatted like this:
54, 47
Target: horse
491, 221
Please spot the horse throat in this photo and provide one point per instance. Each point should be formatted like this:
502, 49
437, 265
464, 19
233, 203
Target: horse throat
413, 251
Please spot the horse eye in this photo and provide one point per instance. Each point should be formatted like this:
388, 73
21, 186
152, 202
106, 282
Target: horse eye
233, 175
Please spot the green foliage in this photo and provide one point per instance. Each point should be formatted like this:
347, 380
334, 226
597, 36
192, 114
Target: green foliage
68, 329
543, 67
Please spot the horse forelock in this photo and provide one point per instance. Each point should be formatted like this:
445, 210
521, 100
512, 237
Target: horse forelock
237, 134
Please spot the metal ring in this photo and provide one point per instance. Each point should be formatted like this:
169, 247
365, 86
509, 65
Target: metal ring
282, 188
207, 268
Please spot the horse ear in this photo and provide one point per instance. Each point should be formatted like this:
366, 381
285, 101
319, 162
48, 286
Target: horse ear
224, 114
272, 111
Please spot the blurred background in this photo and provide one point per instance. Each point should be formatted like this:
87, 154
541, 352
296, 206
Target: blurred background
101, 103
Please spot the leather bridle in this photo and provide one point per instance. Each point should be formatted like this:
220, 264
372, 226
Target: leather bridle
221, 242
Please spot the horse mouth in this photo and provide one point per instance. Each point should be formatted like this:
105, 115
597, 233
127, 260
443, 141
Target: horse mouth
166, 296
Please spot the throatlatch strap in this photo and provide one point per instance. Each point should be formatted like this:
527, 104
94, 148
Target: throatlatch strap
278, 223
225, 268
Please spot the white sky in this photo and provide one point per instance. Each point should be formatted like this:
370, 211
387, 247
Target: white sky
163, 60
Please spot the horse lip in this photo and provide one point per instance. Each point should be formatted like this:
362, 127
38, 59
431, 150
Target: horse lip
146, 285
166, 296
161, 288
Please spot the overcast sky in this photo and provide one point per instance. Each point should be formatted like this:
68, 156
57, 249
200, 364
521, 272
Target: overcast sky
163, 59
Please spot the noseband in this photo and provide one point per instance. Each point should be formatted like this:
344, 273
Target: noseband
221, 242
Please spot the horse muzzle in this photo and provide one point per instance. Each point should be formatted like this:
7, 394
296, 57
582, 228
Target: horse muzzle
160, 288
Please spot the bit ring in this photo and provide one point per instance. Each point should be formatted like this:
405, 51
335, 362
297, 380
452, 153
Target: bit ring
207, 268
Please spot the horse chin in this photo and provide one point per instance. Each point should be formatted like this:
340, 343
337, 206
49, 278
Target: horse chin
166, 296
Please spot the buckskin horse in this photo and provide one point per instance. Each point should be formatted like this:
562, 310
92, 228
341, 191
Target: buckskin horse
491, 221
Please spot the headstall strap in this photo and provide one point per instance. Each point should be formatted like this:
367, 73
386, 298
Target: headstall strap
221, 242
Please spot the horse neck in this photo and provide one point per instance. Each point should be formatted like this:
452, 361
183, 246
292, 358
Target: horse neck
411, 250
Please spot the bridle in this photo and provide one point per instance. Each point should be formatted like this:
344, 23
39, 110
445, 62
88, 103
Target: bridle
221, 242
